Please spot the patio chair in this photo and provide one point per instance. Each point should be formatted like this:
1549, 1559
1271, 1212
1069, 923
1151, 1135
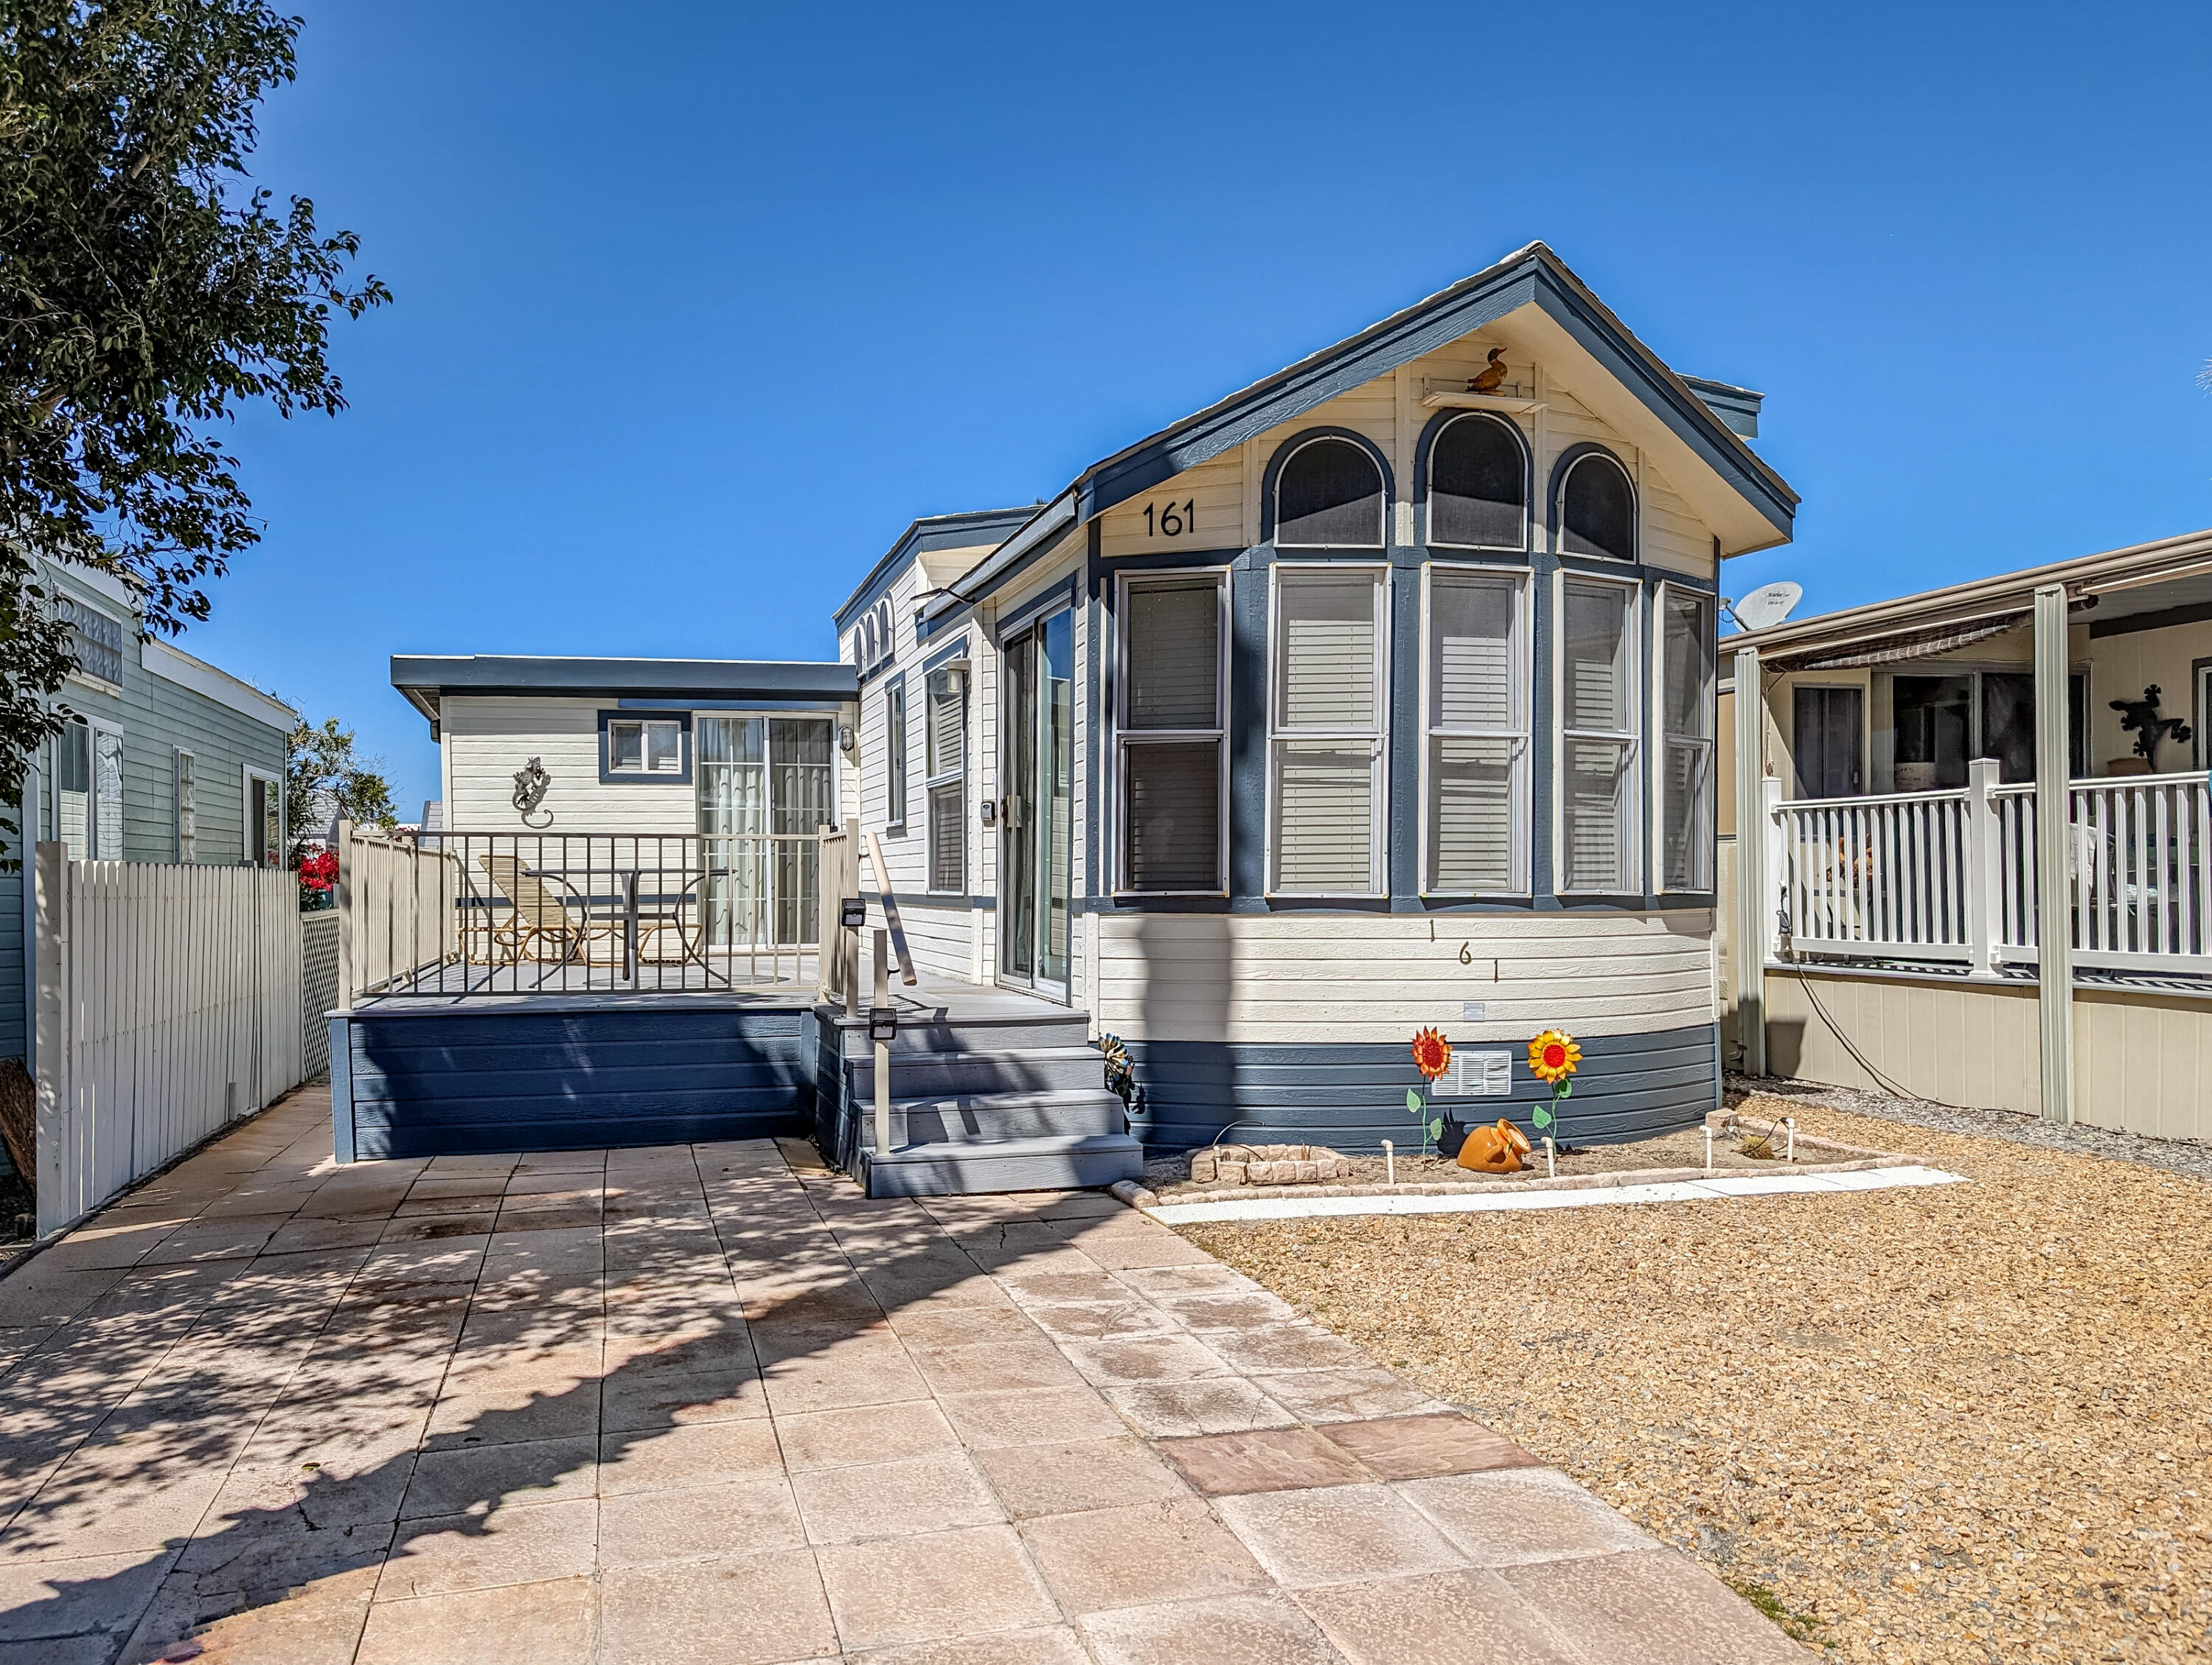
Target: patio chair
545, 917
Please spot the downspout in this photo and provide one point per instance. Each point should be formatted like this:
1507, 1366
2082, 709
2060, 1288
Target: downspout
1748, 946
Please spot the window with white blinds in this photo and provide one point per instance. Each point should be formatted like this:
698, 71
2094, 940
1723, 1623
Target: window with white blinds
1476, 792
1686, 708
1600, 726
1168, 727
894, 755
1326, 725
946, 760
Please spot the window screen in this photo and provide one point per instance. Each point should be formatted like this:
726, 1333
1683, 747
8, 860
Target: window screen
895, 755
946, 759
1598, 735
1478, 735
1327, 746
1687, 705
1597, 509
1329, 493
1478, 485
1169, 740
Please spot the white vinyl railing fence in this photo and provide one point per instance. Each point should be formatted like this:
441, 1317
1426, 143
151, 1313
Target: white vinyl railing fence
1949, 878
168, 1006
399, 910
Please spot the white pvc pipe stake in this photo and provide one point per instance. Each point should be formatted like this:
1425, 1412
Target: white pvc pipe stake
1789, 1150
1389, 1163
1709, 1147
1551, 1158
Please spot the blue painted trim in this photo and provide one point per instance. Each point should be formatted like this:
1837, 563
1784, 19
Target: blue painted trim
1048, 600
1424, 447
1736, 407
944, 655
925, 625
767, 707
609, 777
341, 1044
1352, 1094
423, 679
1555, 505
1282, 454
930, 532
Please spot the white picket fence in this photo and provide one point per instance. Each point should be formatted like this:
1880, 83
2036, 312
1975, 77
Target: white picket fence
399, 910
168, 1006
1949, 878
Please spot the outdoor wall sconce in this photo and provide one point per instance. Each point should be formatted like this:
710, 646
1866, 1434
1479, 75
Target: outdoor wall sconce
852, 912
883, 1024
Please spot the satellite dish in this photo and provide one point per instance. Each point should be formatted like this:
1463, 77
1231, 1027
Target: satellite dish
1768, 605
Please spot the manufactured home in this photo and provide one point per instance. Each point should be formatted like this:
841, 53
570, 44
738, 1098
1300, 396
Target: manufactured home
1919, 782
1378, 696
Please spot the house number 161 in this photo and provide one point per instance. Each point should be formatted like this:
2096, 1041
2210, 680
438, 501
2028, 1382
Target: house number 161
1174, 521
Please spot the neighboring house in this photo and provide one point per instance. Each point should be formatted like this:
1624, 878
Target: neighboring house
1358, 702
1895, 886
165, 758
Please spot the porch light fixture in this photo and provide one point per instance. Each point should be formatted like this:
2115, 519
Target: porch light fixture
883, 1024
852, 912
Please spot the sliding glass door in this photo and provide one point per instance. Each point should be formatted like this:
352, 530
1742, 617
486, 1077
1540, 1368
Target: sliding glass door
763, 792
1036, 867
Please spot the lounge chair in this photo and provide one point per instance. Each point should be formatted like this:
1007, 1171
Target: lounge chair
547, 923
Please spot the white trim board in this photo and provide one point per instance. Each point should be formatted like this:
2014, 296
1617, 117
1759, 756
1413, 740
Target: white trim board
1486, 1202
176, 665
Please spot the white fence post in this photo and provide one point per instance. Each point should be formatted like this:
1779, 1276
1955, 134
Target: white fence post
1984, 870
341, 897
50, 967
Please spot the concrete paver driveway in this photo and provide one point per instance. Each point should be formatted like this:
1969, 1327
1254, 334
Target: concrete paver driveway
688, 1402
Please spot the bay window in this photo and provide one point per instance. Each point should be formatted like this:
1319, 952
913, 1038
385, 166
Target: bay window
1600, 726
1326, 731
1687, 707
1475, 690
1169, 753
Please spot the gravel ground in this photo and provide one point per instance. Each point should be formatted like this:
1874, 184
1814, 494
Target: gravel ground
1959, 1423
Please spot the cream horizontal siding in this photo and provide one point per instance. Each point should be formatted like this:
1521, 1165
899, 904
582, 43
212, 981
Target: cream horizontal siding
1292, 977
1671, 536
487, 739
1217, 488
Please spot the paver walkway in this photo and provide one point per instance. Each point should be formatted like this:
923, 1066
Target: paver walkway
687, 1403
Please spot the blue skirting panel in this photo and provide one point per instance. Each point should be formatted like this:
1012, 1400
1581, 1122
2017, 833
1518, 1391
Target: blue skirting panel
504, 1080
1351, 1096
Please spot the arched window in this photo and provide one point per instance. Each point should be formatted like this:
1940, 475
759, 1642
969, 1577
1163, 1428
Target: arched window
1479, 485
1597, 508
1329, 495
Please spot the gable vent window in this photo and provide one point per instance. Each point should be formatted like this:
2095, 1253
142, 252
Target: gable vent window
1479, 485
1329, 495
1477, 796
1598, 735
1687, 707
1597, 508
946, 751
1168, 749
94, 638
1325, 746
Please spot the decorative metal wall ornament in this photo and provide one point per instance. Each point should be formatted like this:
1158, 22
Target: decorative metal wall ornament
2141, 717
532, 783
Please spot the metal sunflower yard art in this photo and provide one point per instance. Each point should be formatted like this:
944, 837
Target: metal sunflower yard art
1432, 1057
1553, 1057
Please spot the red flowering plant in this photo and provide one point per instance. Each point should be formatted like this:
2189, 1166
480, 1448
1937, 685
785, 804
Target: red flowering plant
319, 877
1432, 1057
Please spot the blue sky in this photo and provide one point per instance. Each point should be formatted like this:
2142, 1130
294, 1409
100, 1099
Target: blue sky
698, 305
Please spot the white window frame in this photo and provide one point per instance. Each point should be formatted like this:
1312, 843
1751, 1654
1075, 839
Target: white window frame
249, 839
933, 780
897, 776
645, 770
1381, 542
1377, 571
1527, 483
1655, 835
1632, 819
1123, 737
1522, 672
183, 771
1635, 511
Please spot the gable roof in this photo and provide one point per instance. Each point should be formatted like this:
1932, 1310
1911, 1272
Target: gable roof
1529, 278
930, 532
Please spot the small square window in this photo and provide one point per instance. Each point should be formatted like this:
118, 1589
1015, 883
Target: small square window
645, 746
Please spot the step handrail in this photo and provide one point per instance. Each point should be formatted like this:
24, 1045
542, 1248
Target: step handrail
891, 910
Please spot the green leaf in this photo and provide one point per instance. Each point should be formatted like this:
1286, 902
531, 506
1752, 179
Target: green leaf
1541, 1117
1413, 1104
1436, 1128
1565, 1088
